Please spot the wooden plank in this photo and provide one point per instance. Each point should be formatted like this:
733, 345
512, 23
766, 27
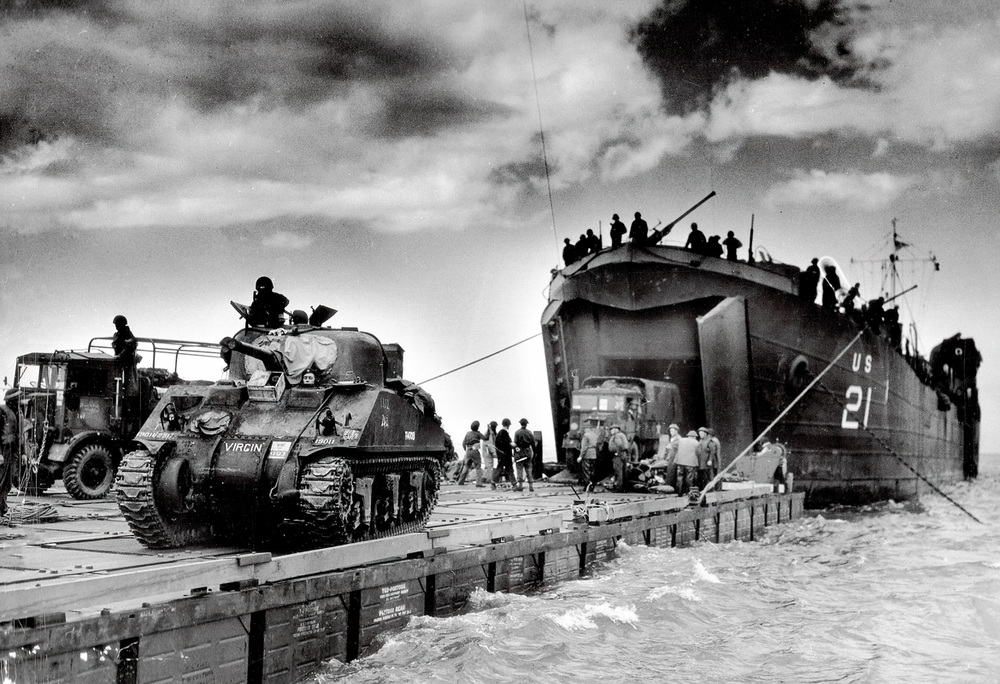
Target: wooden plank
31, 598
485, 532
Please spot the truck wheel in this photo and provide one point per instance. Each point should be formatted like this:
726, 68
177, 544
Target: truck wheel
89, 472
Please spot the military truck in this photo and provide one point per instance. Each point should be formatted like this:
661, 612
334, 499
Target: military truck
642, 408
72, 414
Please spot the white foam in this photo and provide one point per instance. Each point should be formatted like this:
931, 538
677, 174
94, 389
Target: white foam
580, 619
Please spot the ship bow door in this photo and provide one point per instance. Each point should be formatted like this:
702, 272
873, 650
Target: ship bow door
724, 344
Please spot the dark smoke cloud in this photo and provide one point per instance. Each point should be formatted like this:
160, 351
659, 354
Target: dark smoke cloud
699, 47
93, 70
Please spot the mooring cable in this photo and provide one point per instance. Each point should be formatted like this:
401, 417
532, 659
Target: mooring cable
481, 358
899, 458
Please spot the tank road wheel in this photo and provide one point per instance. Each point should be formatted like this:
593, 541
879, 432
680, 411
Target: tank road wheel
158, 521
89, 472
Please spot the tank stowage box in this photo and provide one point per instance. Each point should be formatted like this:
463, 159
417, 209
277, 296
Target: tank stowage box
312, 440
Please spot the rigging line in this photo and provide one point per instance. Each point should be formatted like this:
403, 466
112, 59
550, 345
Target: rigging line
481, 358
541, 129
899, 458
781, 415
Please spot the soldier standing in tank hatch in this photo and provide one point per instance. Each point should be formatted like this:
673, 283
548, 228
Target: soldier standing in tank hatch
268, 306
617, 231
639, 231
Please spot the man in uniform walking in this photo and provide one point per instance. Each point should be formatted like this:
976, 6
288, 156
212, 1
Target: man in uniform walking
524, 455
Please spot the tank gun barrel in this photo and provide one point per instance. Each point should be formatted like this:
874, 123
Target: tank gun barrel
662, 232
271, 359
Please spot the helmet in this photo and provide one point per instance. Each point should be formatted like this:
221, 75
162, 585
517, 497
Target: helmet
692, 433
263, 282
523, 422
119, 320
675, 426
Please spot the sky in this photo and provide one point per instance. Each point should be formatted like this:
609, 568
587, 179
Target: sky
387, 160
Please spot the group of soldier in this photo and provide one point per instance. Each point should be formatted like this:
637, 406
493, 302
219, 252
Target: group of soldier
639, 234
871, 314
497, 456
681, 464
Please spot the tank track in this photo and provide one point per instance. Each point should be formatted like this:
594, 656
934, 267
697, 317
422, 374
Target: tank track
319, 518
136, 500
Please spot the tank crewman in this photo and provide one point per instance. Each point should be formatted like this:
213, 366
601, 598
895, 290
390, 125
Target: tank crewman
809, 280
268, 306
300, 317
687, 462
505, 455
524, 455
831, 283
473, 459
617, 231
618, 445
569, 254
594, 243
713, 247
731, 244
638, 233
696, 240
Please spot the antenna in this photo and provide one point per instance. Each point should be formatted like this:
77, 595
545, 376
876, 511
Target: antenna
541, 129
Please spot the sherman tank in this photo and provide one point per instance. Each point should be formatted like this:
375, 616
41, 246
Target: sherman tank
312, 439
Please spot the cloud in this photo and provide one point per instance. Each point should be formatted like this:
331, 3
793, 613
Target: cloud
939, 88
284, 239
818, 188
698, 48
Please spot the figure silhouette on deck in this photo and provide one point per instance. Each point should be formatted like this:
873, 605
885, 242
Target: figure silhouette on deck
618, 231
639, 231
696, 240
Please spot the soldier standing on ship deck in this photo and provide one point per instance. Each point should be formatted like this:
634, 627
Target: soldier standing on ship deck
505, 455
831, 283
808, 281
594, 244
639, 232
696, 240
569, 252
731, 243
687, 462
617, 231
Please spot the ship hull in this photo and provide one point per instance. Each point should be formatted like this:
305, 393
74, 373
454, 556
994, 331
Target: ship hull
741, 345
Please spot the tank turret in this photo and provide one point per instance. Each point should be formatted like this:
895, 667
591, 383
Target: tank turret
310, 441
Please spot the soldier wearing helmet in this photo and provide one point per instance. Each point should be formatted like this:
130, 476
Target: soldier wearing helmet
617, 231
268, 306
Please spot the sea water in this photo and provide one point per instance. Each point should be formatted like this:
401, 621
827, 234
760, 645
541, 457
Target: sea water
886, 593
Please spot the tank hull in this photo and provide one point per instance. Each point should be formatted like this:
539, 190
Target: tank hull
741, 345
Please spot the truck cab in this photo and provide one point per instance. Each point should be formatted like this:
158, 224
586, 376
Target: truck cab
642, 408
